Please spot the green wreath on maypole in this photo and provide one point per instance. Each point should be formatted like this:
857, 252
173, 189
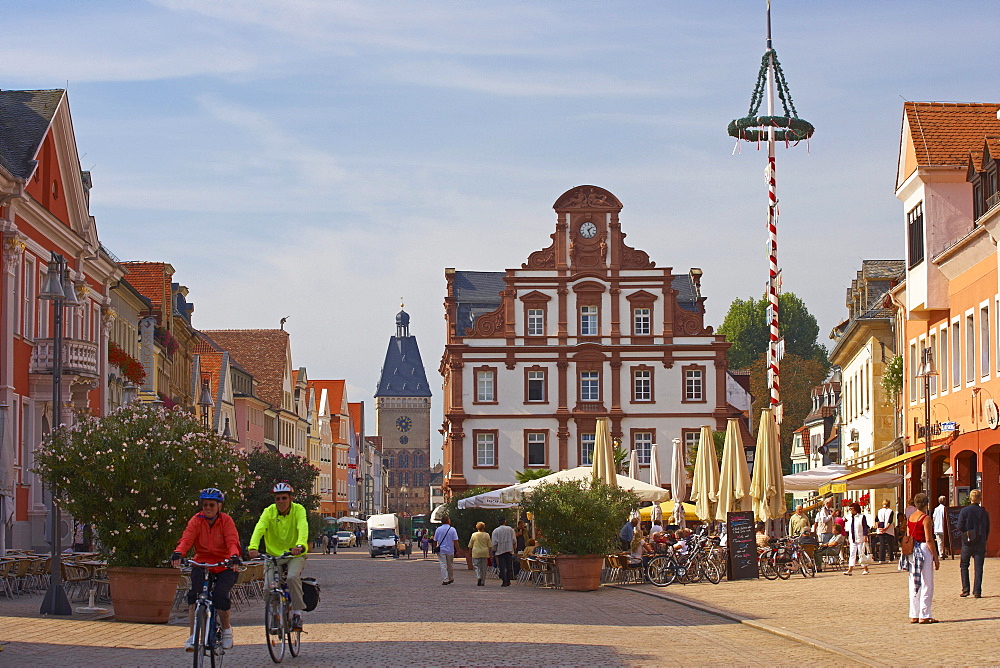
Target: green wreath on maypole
787, 128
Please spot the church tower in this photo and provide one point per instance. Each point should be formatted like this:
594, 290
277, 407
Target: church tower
403, 420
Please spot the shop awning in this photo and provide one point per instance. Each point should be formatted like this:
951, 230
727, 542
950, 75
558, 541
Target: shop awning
871, 474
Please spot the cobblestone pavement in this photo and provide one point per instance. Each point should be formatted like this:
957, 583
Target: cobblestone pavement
395, 612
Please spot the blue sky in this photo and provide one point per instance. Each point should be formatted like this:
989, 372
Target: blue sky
321, 160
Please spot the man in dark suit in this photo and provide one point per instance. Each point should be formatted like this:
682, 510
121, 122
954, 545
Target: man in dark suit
974, 526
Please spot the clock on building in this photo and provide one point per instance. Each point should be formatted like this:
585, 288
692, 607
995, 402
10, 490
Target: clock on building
404, 423
588, 230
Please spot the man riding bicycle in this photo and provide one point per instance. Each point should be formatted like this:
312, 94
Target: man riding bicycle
284, 528
212, 534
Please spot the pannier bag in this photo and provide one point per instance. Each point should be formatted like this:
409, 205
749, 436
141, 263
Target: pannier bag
310, 593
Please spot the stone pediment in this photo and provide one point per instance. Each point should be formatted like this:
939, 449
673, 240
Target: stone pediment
587, 197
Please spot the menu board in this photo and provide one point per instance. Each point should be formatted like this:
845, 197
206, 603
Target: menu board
954, 535
742, 544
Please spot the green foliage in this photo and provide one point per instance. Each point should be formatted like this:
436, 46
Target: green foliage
267, 468
621, 455
579, 516
892, 378
745, 327
718, 438
135, 474
527, 475
465, 520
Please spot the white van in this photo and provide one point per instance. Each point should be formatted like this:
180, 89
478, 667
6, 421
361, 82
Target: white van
383, 535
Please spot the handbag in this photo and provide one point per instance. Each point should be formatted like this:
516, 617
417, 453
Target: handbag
435, 548
907, 546
866, 555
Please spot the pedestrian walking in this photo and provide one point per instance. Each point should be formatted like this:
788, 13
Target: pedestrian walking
480, 546
885, 533
504, 541
940, 512
325, 543
857, 525
974, 525
446, 539
920, 558
425, 541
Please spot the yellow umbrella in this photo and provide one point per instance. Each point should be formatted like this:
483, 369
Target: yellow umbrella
767, 489
734, 478
667, 509
604, 460
705, 487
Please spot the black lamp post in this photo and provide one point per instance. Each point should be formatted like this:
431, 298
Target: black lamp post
205, 402
61, 292
927, 371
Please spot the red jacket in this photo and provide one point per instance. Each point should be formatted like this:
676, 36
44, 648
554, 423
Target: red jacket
211, 543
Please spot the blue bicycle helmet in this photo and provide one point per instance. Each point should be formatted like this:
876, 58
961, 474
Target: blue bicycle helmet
212, 493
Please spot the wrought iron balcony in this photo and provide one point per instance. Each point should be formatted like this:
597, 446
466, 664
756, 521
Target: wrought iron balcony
79, 357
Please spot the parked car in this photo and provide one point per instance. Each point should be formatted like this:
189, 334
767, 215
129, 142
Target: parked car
346, 539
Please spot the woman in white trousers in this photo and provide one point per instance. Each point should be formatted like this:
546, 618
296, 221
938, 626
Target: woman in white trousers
857, 536
920, 527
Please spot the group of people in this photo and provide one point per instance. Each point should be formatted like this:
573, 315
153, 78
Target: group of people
212, 535
643, 540
503, 545
919, 537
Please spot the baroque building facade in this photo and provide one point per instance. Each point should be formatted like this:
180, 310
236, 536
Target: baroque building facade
588, 327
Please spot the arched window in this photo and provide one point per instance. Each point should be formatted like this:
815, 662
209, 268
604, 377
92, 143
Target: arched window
403, 459
418, 460
389, 460
418, 479
392, 479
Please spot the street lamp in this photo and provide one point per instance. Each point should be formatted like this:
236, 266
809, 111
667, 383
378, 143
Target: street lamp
927, 371
61, 292
205, 402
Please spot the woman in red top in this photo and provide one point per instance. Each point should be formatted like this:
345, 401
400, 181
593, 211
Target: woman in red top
920, 528
212, 534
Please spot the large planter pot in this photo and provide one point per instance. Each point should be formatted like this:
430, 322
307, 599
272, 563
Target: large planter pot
580, 573
143, 595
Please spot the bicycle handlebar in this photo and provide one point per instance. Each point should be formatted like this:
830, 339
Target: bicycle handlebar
192, 562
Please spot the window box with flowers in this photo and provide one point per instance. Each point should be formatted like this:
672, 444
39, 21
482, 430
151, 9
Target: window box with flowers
166, 340
130, 368
134, 476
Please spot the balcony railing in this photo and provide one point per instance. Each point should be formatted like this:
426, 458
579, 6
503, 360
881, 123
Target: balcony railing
78, 357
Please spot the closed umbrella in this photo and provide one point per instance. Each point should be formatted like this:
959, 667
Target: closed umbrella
633, 464
767, 489
734, 478
604, 461
678, 481
654, 479
705, 487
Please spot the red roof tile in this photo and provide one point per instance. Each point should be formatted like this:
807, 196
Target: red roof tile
151, 279
354, 409
943, 133
334, 392
262, 352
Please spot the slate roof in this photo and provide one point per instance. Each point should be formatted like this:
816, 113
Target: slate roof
402, 372
943, 133
261, 352
25, 116
687, 293
476, 293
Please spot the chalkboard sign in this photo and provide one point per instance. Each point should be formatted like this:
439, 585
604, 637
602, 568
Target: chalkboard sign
954, 535
742, 543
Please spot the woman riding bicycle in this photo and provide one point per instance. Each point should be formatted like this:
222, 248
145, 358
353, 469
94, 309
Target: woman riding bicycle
212, 534
285, 528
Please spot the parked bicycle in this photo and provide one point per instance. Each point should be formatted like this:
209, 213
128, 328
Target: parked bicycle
665, 569
784, 557
278, 612
207, 633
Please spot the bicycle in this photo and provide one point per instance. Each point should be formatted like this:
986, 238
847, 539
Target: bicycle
207, 635
278, 612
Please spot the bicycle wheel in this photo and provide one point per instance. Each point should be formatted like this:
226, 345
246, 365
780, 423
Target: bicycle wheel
200, 635
274, 627
712, 572
807, 565
660, 571
766, 566
695, 570
784, 568
294, 637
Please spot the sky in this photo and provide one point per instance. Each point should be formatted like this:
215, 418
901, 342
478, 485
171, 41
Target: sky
326, 160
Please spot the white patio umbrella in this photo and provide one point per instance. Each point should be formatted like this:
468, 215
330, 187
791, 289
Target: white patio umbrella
678, 480
654, 480
513, 494
705, 487
734, 478
604, 459
633, 464
767, 489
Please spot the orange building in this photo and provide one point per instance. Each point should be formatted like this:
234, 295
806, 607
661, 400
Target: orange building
333, 394
947, 181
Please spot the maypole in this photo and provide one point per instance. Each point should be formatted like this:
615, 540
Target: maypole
787, 128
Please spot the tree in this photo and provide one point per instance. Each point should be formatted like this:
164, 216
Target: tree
798, 377
746, 328
465, 520
266, 468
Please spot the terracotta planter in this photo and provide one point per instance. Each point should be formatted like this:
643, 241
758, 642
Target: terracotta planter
143, 595
580, 573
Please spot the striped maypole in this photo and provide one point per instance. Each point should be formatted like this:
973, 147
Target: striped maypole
773, 354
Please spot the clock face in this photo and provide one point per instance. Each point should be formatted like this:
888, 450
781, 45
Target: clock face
588, 230
404, 423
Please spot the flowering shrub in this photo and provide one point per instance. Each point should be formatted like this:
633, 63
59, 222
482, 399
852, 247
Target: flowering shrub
163, 336
130, 367
135, 474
